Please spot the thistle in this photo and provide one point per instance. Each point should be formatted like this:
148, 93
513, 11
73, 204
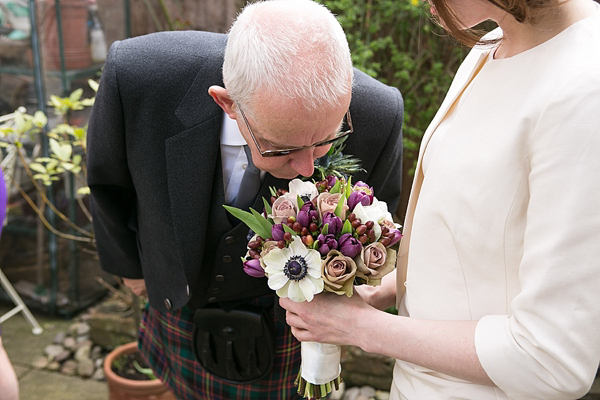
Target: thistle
335, 163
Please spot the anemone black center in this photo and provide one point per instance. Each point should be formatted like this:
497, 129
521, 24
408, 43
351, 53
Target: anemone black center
295, 268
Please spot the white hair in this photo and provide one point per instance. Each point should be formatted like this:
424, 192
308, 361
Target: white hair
292, 48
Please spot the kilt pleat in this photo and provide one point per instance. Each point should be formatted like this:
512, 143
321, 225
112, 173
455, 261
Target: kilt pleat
165, 341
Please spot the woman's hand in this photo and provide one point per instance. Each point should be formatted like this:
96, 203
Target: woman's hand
328, 318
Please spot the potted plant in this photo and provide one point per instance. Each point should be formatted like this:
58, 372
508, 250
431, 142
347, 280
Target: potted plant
129, 379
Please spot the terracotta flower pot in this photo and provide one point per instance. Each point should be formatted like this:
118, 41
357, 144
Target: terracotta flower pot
127, 389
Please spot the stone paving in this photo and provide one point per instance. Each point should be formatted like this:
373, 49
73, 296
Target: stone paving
23, 348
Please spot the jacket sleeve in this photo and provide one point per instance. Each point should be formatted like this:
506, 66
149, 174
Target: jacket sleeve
113, 197
548, 346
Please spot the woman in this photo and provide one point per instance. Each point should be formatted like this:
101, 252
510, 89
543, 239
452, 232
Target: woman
500, 249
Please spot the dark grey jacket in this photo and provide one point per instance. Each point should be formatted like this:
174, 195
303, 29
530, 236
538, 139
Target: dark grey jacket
154, 167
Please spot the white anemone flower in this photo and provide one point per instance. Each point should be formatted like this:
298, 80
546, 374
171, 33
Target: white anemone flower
306, 190
295, 271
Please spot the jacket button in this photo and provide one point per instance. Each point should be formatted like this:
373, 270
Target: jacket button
216, 290
230, 239
212, 299
168, 304
219, 278
227, 259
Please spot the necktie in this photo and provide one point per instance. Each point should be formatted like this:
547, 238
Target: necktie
250, 185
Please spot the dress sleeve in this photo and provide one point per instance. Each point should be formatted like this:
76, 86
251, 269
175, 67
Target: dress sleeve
113, 196
548, 347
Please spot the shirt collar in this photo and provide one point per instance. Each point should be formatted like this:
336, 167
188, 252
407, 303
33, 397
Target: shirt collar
230, 133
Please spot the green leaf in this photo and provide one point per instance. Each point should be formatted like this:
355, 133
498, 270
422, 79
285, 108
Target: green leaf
266, 225
300, 201
325, 229
347, 228
288, 229
267, 206
37, 167
248, 219
340, 206
349, 187
93, 84
273, 191
83, 190
76, 95
62, 151
39, 119
87, 102
336, 187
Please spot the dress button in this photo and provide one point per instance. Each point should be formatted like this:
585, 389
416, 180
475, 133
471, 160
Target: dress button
230, 239
219, 278
216, 290
168, 304
212, 299
227, 259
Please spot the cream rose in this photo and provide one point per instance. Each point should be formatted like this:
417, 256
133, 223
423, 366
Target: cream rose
338, 273
285, 206
266, 248
327, 202
374, 262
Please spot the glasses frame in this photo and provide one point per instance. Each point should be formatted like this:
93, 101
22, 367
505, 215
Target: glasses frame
285, 152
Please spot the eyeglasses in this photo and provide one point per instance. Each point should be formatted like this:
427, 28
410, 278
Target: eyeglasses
285, 152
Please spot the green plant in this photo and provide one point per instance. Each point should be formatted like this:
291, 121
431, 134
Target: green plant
20, 131
396, 42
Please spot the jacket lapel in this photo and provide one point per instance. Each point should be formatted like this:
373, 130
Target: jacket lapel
192, 158
464, 76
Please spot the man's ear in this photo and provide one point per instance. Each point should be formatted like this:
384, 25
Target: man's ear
220, 96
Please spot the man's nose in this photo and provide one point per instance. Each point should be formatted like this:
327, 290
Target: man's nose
303, 161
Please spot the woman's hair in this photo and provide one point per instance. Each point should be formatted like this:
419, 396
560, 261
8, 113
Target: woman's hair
291, 48
524, 11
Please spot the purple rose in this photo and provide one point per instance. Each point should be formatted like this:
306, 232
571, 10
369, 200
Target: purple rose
359, 197
327, 243
335, 223
277, 232
349, 246
253, 268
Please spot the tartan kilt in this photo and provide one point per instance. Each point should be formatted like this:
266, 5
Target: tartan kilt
165, 340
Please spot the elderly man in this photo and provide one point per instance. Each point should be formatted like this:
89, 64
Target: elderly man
178, 118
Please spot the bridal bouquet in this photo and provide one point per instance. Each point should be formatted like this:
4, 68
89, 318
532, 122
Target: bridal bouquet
327, 235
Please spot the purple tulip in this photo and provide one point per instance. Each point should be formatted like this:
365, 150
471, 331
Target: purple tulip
277, 232
359, 197
253, 268
307, 214
335, 223
395, 238
331, 180
327, 243
349, 246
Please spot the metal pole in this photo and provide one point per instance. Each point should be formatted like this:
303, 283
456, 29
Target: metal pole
41, 105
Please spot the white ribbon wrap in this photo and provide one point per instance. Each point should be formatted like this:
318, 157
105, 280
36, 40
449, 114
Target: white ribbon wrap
320, 362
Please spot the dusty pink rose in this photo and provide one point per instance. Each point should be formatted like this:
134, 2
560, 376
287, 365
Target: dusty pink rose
266, 248
327, 202
338, 273
283, 208
375, 262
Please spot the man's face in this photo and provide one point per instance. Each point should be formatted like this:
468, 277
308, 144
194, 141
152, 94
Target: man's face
282, 124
